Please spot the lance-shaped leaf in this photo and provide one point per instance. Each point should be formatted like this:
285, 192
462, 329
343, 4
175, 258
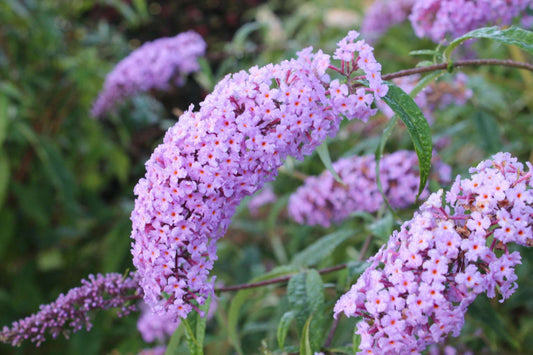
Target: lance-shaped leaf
512, 35
283, 327
306, 298
417, 126
322, 248
323, 153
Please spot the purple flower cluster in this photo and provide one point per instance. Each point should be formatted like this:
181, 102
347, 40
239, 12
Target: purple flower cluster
322, 200
213, 158
382, 15
436, 96
437, 19
154, 327
155, 65
418, 286
70, 312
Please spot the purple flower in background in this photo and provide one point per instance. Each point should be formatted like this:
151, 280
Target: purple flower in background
153, 327
322, 200
382, 15
70, 312
156, 65
211, 159
160, 328
438, 19
419, 285
436, 96
262, 198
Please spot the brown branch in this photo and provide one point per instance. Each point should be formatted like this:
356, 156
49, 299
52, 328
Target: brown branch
275, 280
456, 64
286, 278
460, 63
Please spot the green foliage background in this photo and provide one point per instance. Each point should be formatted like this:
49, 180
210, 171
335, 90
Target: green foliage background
66, 180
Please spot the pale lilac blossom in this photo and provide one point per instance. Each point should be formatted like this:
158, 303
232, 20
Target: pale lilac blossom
443, 258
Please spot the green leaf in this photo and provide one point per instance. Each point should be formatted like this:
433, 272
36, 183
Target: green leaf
379, 153
301, 303
283, 327
512, 35
3, 118
141, 8
53, 163
488, 130
306, 297
4, 176
240, 298
201, 323
424, 52
120, 165
189, 334
173, 344
205, 76
8, 222
323, 153
114, 243
278, 271
195, 329
482, 311
425, 81
417, 127
424, 63
305, 344
49, 260
322, 248
243, 33
382, 228
275, 241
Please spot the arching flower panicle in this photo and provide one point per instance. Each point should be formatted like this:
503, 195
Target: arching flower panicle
211, 159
